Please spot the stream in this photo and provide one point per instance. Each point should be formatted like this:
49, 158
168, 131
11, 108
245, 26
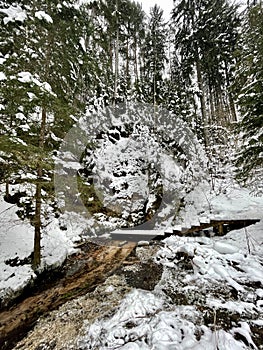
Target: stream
80, 274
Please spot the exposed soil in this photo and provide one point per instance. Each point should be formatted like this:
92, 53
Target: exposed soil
80, 274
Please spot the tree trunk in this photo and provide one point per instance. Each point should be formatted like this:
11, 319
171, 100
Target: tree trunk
7, 192
37, 222
212, 105
202, 100
127, 68
232, 106
116, 56
136, 62
37, 219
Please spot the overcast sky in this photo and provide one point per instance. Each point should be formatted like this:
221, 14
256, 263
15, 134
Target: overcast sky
166, 5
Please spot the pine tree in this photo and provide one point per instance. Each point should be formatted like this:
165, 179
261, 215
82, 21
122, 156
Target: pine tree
154, 57
249, 90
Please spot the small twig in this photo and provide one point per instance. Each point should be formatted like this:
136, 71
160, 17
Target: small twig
7, 209
247, 239
209, 203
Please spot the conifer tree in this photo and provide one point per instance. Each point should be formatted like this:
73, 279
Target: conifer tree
154, 57
249, 90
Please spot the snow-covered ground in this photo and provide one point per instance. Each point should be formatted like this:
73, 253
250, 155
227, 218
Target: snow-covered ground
210, 294
17, 240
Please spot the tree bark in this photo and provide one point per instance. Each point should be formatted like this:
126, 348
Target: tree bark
37, 219
232, 106
7, 192
116, 55
37, 222
136, 61
202, 99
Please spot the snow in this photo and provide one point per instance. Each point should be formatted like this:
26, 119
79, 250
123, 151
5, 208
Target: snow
14, 13
2, 60
20, 116
43, 15
2, 76
127, 154
83, 44
227, 201
237, 203
147, 319
206, 268
152, 328
83, 2
16, 240
211, 258
231, 305
244, 330
210, 263
225, 248
231, 262
27, 77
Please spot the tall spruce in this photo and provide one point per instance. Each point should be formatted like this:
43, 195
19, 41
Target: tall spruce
154, 57
249, 90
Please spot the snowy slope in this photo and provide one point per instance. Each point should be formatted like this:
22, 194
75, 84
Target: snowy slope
16, 240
